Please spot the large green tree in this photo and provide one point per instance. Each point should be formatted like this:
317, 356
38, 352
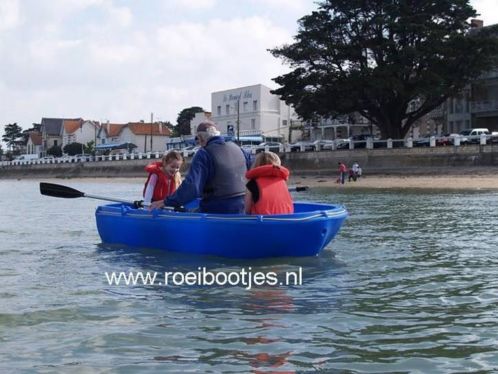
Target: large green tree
183, 120
376, 57
12, 132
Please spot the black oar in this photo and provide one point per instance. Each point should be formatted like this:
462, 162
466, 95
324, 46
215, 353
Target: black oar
298, 188
57, 190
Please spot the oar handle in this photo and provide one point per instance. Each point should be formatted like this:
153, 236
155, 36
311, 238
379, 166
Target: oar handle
298, 188
107, 199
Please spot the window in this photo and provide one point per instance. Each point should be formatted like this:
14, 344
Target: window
284, 122
103, 141
244, 106
227, 109
218, 110
55, 143
253, 124
255, 105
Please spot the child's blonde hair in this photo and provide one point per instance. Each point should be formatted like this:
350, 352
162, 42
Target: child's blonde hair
266, 158
170, 156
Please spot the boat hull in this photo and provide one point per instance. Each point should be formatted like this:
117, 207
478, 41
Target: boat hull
304, 233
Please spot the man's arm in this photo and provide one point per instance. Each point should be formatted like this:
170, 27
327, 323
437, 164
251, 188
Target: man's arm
193, 185
248, 157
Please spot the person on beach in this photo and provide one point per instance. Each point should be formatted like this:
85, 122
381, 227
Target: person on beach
164, 177
216, 175
354, 172
342, 172
266, 190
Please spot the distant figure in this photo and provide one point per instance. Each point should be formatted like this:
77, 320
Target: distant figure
355, 172
359, 172
343, 169
164, 177
267, 191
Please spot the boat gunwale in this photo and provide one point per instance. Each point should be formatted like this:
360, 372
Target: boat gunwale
337, 211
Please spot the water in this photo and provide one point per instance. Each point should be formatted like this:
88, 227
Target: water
409, 285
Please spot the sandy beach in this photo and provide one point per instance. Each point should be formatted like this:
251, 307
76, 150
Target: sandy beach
445, 182
440, 182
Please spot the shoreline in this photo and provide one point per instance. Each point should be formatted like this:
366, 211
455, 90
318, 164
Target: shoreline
425, 182
474, 181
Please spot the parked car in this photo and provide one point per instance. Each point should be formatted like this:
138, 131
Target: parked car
359, 141
273, 147
447, 139
307, 145
324, 144
469, 136
82, 158
190, 150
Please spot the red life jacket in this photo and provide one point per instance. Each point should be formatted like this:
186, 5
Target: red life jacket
274, 196
165, 184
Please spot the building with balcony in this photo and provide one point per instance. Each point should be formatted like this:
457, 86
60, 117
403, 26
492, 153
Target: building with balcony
251, 110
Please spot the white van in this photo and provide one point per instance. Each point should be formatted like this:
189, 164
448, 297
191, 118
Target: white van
27, 157
472, 135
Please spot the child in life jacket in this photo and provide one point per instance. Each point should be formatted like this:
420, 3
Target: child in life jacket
164, 177
266, 190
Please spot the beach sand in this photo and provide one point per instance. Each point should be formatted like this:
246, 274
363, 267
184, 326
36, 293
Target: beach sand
478, 181
445, 182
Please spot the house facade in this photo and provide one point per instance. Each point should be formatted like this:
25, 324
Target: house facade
251, 110
148, 137
79, 131
34, 144
51, 130
475, 107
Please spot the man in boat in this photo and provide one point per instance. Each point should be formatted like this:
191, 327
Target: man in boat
216, 175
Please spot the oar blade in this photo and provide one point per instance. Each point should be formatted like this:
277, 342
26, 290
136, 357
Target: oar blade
57, 190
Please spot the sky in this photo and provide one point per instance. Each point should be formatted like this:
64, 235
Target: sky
121, 60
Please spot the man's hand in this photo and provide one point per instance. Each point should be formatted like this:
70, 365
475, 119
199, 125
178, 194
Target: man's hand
138, 204
156, 205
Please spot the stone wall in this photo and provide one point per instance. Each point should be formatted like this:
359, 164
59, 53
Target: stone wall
374, 161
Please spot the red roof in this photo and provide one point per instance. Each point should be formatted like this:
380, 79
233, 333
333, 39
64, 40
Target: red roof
36, 137
156, 129
71, 125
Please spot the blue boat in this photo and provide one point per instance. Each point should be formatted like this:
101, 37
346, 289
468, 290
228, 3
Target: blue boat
304, 233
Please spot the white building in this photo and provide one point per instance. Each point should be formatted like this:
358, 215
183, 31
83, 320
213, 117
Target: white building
79, 131
146, 136
252, 110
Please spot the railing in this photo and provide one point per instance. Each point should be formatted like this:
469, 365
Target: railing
338, 145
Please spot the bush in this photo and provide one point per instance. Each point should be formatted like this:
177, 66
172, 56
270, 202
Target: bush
55, 151
73, 149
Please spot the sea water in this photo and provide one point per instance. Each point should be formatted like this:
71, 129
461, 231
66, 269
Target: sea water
410, 284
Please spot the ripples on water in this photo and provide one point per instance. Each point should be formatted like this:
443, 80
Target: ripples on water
409, 285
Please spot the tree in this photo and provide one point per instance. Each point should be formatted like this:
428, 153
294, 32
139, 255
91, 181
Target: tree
73, 149
1, 152
183, 120
377, 57
90, 147
35, 128
12, 132
55, 151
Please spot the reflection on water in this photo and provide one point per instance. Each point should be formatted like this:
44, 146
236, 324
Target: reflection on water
408, 285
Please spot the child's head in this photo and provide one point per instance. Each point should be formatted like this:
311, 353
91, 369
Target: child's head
172, 162
266, 158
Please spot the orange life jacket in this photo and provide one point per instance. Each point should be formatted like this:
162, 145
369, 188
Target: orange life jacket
274, 196
165, 184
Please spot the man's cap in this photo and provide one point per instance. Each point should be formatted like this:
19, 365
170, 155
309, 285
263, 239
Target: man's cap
203, 126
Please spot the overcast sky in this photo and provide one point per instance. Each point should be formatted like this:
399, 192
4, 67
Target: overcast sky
121, 60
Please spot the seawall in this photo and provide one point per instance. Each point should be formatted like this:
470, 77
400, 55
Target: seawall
404, 161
